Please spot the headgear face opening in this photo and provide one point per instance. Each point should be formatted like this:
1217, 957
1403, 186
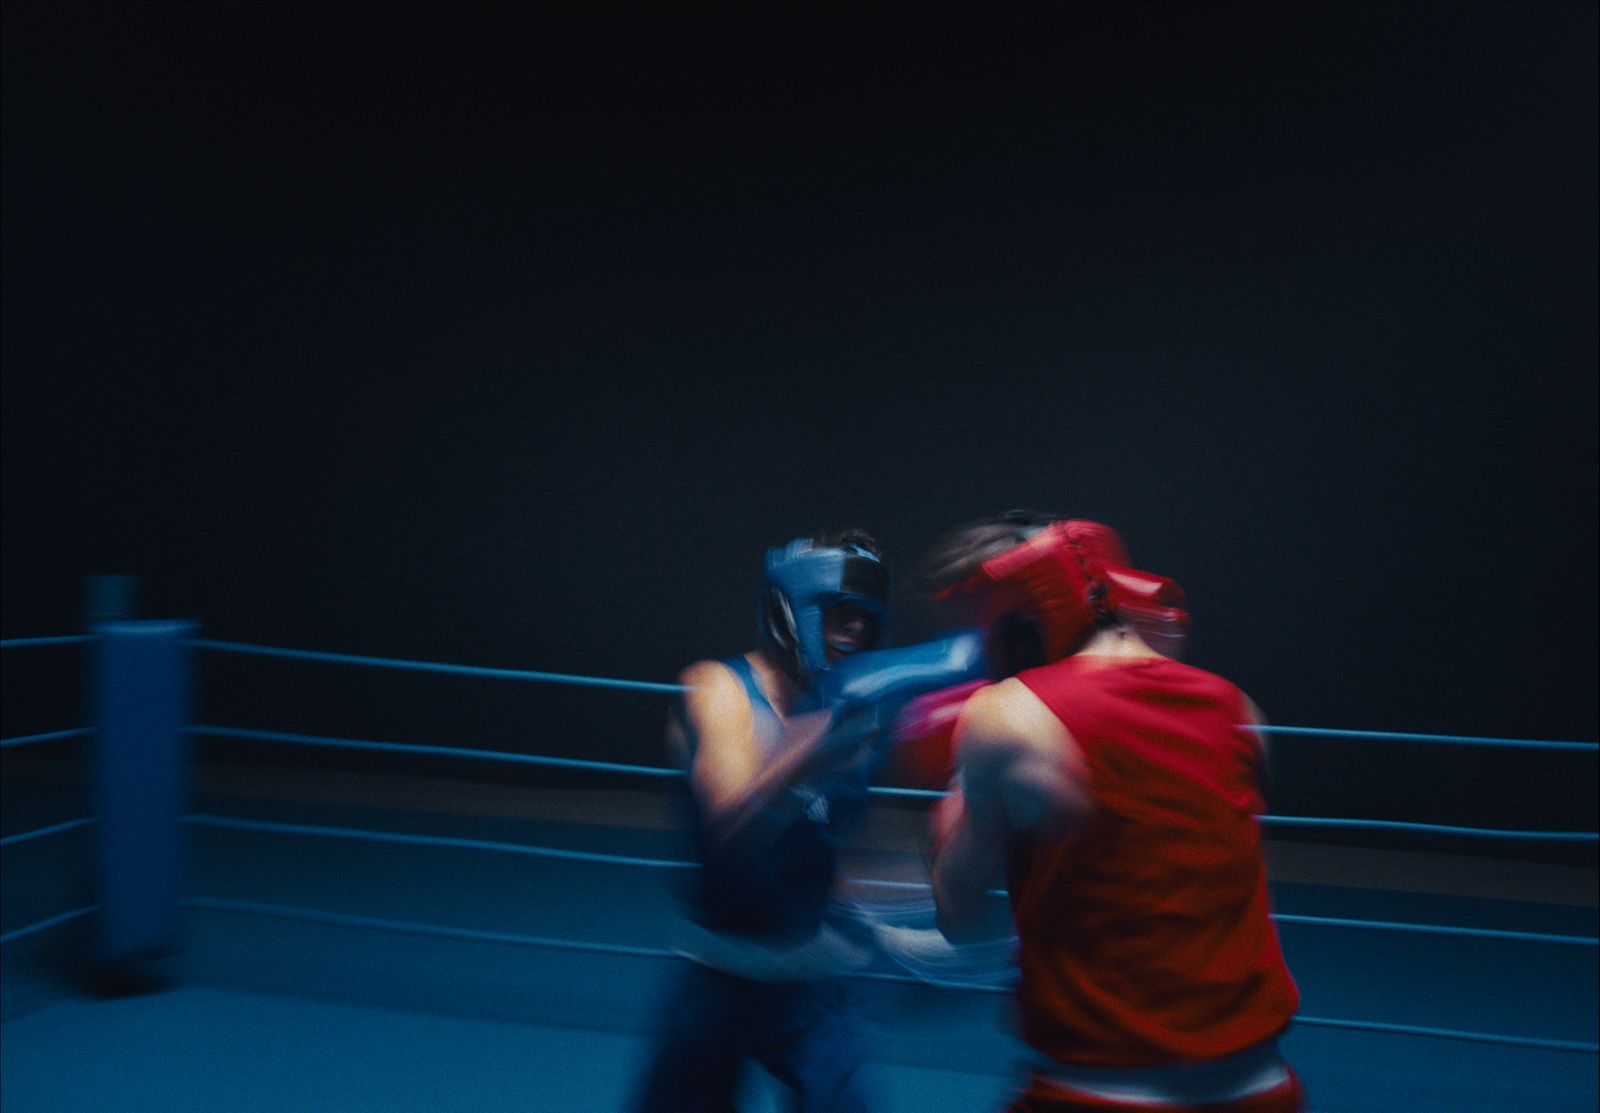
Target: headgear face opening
802, 581
1058, 586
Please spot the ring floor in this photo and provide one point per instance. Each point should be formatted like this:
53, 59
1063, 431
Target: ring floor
280, 1015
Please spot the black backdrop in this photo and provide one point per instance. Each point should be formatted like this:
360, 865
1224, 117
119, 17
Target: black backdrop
511, 335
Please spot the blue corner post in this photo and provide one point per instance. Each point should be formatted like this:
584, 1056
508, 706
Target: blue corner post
142, 696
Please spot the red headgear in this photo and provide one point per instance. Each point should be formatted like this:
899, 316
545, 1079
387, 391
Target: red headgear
1070, 578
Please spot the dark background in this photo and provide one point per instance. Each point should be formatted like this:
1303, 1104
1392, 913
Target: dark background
510, 336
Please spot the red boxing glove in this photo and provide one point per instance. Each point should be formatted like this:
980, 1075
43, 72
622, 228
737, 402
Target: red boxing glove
924, 736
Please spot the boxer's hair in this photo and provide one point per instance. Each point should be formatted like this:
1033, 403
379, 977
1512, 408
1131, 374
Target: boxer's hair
842, 538
960, 553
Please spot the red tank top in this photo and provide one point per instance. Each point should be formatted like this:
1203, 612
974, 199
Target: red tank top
1146, 936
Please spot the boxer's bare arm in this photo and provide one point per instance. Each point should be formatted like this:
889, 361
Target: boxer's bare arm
725, 758
1021, 775
735, 780
1259, 721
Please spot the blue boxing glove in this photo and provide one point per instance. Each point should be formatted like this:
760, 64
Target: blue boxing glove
841, 733
865, 692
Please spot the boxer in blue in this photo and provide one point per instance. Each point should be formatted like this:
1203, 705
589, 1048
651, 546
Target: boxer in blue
765, 804
779, 743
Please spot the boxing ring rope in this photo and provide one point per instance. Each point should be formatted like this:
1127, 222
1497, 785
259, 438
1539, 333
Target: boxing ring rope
393, 837
42, 832
441, 751
411, 927
434, 666
1447, 739
61, 639
47, 736
875, 790
652, 686
47, 924
343, 919
223, 822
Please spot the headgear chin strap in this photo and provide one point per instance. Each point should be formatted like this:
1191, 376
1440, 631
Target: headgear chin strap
1060, 585
802, 581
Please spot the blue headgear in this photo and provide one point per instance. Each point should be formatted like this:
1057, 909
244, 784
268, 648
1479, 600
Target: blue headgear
802, 580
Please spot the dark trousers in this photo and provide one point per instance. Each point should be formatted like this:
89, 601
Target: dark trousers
713, 1022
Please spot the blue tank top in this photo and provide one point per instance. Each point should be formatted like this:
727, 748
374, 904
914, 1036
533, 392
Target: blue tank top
784, 889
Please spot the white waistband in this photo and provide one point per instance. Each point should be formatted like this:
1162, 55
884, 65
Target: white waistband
1254, 1070
826, 953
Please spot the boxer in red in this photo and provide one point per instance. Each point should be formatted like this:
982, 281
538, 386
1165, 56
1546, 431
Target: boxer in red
1115, 792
